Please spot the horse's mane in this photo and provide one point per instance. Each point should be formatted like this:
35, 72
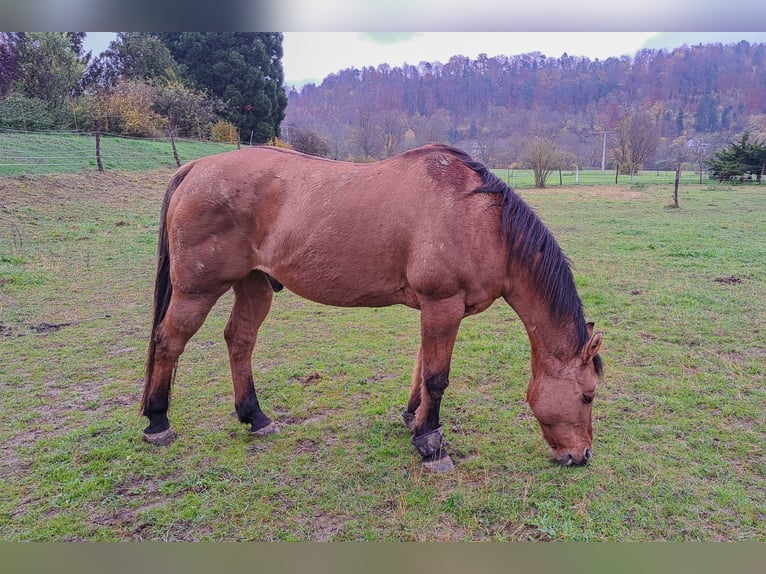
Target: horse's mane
532, 246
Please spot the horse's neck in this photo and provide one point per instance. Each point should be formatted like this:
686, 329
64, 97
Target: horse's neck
550, 338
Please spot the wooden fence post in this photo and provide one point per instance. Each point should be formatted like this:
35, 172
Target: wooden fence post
97, 126
173, 143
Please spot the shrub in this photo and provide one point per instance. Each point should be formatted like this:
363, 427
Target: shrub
224, 132
21, 112
129, 110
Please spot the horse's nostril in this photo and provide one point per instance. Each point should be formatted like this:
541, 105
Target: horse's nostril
587, 454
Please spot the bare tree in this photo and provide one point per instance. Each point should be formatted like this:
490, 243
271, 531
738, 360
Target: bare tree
391, 131
678, 153
542, 156
699, 149
635, 138
367, 133
486, 141
309, 142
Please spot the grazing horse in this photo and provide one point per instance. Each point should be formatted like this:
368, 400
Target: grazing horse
430, 229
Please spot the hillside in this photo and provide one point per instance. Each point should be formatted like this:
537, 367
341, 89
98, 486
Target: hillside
493, 105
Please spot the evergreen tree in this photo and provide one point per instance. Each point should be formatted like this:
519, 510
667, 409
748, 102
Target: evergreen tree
244, 69
742, 156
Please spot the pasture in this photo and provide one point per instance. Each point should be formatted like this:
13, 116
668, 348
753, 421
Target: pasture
679, 421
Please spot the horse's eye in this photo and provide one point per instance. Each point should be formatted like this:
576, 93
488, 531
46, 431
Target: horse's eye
587, 399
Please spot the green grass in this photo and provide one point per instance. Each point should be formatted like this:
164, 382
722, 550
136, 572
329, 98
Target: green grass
679, 425
525, 178
23, 153
39, 153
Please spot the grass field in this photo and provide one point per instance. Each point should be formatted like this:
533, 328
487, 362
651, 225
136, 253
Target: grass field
23, 153
679, 423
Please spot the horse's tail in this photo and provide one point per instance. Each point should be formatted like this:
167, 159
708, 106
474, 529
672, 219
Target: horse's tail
163, 288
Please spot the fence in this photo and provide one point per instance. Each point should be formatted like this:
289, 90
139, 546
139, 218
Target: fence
524, 178
24, 152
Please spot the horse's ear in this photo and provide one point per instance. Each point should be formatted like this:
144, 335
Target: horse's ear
591, 348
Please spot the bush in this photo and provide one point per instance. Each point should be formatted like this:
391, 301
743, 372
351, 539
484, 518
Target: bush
276, 142
129, 110
224, 132
20, 112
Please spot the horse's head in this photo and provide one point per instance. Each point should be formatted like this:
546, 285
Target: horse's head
560, 395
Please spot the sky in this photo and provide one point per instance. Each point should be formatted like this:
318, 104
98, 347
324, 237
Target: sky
312, 56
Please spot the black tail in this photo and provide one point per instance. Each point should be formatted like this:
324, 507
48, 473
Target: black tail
163, 288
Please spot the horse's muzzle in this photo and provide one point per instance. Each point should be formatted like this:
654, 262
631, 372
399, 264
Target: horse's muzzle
569, 460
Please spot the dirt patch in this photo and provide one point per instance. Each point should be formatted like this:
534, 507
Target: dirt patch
48, 327
305, 445
310, 379
7, 330
606, 191
731, 280
326, 526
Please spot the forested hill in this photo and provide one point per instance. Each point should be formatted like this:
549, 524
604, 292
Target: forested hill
494, 105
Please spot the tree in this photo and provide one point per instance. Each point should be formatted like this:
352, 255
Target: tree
132, 55
542, 156
698, 149
243, 69
743, 156
309, 142
634, 139
679, 152
50, 65
366, 133
188, 112
391, 131
9, 69
485, 144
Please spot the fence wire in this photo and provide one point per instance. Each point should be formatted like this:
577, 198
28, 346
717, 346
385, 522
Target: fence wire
68, 152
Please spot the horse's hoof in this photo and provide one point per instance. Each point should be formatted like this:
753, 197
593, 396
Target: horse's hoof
444, 464
270, 428
163, 438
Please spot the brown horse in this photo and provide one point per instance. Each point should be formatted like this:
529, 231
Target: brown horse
430, 229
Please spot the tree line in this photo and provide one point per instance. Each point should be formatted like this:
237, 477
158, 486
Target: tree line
223, 86
653, 109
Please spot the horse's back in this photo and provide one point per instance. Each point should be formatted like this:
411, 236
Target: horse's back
336, 232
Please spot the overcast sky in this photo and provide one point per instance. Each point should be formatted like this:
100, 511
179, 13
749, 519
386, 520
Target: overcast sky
311, 56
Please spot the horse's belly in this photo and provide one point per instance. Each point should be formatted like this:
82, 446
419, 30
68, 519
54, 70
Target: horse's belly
343, 275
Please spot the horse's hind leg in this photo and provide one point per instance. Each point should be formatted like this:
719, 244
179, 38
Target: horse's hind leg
252, 301
185, 315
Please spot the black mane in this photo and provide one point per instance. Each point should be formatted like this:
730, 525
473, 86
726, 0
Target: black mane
527, 236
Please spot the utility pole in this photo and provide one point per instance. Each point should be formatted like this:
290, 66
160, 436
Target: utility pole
603, 151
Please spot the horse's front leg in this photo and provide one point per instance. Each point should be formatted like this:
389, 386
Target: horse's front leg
439, 323
415, 392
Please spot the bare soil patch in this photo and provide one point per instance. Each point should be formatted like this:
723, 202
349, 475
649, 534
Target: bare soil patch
605, 191
730, 280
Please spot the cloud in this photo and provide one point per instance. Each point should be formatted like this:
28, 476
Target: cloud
670, 40
389, 37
